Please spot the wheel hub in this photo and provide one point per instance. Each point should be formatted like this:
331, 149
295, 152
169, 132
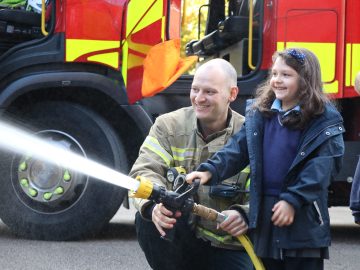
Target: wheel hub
48, 183
43, 175
43, 181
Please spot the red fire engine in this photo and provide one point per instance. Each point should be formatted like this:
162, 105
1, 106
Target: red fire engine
74, 75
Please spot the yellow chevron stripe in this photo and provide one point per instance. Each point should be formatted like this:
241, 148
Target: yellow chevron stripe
348, 65
136, 21
355, 63
125, 53
75, 48
111, 59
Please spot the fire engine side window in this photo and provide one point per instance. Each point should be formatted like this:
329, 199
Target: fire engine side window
216, 14
193, 11
238, 7
20, 21
223, 31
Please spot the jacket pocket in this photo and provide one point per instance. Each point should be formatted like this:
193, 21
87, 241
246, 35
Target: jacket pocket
310, 225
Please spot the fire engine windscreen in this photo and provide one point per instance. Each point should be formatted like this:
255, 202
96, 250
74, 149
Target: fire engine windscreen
24, 143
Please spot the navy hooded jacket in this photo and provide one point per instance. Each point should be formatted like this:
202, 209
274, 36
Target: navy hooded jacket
318, 160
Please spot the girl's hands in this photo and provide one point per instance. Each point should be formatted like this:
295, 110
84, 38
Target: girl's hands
203, 176
234, 224
283, 214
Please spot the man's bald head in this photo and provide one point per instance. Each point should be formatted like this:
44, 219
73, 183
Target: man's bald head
213, 88
223, 66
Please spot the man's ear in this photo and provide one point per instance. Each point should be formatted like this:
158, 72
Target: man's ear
233, 93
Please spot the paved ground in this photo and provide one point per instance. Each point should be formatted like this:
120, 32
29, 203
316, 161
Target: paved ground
117, 248
344, 252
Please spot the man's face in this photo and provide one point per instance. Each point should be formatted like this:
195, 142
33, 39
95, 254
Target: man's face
210, 95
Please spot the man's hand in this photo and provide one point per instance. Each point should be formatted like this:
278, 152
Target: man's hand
163, 218
283, 214
234, 224
203, 176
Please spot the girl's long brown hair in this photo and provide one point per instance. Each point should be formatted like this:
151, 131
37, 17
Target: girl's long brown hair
311, 96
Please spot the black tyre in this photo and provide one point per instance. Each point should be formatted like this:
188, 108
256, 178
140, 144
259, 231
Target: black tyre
44, 201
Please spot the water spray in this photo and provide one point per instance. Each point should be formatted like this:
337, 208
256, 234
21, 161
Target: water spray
21, 142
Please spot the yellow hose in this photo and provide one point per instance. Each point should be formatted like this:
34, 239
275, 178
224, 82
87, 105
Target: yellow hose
212, 214
245, 241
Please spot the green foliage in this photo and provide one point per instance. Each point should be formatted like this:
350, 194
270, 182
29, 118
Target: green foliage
12, 3
189, 27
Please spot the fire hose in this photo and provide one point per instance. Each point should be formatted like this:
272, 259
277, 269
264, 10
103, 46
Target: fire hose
184, 202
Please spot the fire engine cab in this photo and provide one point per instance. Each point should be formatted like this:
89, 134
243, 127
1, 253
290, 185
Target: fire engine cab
72, 72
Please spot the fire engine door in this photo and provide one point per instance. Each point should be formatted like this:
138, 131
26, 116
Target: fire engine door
318, 26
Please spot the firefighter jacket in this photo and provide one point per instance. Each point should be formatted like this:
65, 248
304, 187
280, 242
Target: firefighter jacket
174, 140
318, 160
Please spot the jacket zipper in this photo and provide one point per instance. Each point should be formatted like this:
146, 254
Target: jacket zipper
319, 213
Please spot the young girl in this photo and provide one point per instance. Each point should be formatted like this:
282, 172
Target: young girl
292, 139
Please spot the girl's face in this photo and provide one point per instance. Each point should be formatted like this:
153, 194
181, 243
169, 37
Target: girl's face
284, 82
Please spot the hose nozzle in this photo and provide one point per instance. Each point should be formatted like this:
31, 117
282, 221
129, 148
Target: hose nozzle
144, 190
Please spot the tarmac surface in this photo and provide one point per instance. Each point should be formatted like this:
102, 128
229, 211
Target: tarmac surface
117, 248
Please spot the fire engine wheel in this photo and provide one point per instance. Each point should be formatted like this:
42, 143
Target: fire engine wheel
39, 200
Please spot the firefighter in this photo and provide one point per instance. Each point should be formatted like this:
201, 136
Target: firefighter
186, 138
355, 188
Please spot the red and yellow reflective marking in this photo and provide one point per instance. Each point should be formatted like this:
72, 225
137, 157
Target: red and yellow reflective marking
326, 52
153, 11
352, 63
101, 51
140, 14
